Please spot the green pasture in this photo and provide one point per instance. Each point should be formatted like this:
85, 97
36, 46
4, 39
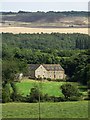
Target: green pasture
50, 88
48, 110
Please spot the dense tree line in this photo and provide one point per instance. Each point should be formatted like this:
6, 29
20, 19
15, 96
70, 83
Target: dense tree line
47, 42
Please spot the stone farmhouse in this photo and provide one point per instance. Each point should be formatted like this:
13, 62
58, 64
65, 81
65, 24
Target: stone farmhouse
53, 71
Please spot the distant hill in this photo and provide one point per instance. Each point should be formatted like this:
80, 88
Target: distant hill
48, 19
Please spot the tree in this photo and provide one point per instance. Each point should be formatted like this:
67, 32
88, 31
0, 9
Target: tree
9, 70
35, 94
69, 91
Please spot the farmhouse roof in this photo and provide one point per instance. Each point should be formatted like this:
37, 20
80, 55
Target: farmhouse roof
33, 66
53, 67
48, 67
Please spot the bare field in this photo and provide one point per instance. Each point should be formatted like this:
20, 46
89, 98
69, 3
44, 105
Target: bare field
17, 30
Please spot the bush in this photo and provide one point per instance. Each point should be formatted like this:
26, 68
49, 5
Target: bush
49, 79
6, 94
62, 99
60, 80
17, 97
35, 94
56, 99
51, 98
46, 97
69, 91
74, 98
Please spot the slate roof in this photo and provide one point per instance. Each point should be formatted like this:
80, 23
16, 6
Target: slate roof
48, 67
33, 66
53, 67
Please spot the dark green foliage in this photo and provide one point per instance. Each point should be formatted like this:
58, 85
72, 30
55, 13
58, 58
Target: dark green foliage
6, 93
10, 68
79, 65
60, 80
49, 79
88, 84
46, 42
14, 96
70, 91
46, 97
10, 93
35, 95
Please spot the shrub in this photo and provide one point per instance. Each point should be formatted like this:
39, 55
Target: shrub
74, 98
46, 97
60, 80
6, 94
56, 99
62, 99
69, 91
35, 94
17, 97
49, 79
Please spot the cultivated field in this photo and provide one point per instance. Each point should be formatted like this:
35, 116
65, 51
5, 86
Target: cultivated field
47, 110
17, 30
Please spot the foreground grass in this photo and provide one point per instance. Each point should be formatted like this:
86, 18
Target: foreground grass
48, 110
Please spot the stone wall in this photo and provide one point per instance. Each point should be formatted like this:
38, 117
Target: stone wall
41, 72
56, 74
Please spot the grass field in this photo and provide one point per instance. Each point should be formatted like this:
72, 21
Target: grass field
17, 30
48, 110
51, 88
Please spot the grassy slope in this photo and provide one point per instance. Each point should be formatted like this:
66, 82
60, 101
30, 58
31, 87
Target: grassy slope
48, 110
51, 88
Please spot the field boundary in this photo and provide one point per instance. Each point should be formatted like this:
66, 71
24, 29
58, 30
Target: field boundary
17, 30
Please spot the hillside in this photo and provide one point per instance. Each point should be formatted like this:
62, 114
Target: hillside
45, 19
